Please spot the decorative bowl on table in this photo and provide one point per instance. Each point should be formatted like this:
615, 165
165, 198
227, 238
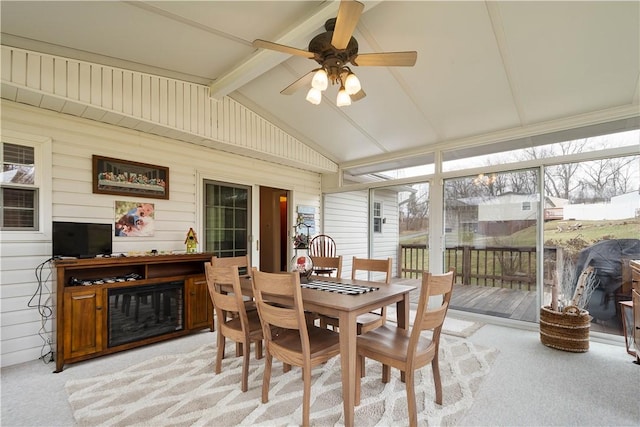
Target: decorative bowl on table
303, 265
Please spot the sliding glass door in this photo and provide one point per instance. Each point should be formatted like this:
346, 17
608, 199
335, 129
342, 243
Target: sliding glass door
490, 238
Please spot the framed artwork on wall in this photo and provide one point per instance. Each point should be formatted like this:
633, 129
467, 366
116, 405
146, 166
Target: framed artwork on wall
127, 178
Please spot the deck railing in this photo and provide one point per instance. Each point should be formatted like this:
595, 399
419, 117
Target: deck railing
513, 268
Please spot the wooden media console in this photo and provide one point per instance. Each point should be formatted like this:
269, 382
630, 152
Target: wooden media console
106, 305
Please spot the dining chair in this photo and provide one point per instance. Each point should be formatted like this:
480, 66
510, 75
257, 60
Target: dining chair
327, 265
297, 343
371, 320
242, 326
244, 270
408, 350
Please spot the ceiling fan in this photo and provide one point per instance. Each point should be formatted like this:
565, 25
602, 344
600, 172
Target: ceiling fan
333, 50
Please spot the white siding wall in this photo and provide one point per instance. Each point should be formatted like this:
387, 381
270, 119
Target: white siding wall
385, 244
74, 141
346, 219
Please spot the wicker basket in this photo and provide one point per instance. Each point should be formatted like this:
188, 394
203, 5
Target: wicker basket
567, 330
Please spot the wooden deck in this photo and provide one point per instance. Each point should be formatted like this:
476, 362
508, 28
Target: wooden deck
499, 302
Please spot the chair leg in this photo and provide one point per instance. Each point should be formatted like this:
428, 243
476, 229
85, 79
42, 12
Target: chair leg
386, 373
266, 377
220, 351
411, 400
436, 379
245, 369
306, 396
258, 349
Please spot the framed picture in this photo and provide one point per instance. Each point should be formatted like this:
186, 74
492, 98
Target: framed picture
126, 178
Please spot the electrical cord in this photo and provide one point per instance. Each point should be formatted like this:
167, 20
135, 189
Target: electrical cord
45, 310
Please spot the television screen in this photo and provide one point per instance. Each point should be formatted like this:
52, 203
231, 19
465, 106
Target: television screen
81, 240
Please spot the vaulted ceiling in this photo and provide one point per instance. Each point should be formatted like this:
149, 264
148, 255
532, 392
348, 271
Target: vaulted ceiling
485, 70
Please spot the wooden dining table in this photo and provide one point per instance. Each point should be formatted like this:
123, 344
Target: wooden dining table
346, 309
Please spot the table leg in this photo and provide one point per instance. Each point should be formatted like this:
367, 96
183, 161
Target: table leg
403, 307
347, 324
402, 311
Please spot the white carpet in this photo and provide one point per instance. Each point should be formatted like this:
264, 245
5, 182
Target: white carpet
182, 389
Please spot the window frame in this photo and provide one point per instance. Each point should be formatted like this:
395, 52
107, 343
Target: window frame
42, 184
377, 219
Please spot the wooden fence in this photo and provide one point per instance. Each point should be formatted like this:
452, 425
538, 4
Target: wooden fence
513, 268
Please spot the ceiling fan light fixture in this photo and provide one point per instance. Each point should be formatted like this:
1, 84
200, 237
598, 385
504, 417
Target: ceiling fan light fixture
343, 99
314, 96
320, 80
352, 84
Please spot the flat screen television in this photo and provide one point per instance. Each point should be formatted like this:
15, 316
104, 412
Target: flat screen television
81, 239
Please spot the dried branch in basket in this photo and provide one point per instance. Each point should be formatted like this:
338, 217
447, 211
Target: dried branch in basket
587, 283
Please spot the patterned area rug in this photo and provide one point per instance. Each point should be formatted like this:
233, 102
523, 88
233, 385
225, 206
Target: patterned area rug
182, 390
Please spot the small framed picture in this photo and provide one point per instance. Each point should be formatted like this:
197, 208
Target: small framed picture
127, 178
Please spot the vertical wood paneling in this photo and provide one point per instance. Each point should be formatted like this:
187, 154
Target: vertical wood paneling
155, 99
96, 85
162, 101
117, 90
183, 106
6, 64
34, 73
127, 93
73, 79
207, 114
171, 103
193, 111
145, 102
85, 82
107, 88
19, 67
136, 95
179, 105
47, 74
60, 77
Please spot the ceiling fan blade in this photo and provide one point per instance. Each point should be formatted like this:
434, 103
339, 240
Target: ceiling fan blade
282, 48
346, 21
301, 82
358, 95
386, 59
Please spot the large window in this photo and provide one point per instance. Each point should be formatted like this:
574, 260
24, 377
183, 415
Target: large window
591, 233
226, 219
509, 216
19, 195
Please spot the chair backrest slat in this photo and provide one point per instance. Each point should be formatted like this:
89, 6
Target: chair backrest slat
372, 265
322, 245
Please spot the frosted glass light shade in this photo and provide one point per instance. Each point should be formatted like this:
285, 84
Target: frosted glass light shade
314, 96
320, 80
352, 84
343, 99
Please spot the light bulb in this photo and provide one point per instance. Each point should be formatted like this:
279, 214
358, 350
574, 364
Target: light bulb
352, 84
343, 99
314, 96
320, 80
